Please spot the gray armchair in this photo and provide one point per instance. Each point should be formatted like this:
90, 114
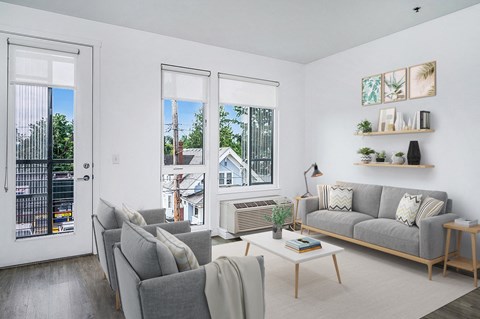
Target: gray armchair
107, 229
176, 295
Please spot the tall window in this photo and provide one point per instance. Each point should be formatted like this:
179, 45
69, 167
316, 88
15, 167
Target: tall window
246, 128
184, 99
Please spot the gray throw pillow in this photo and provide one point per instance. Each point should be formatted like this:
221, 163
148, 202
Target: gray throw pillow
147, 255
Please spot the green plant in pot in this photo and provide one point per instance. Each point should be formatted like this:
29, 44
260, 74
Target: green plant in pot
366, 153
398, 158
364, 126
279, 214
380, 156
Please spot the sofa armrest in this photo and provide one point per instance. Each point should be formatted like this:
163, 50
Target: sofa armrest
128, 282
153, 216
306, 206
432, 236
200, 243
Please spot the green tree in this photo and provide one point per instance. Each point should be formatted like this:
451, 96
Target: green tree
195, 138
62, 147
167, 145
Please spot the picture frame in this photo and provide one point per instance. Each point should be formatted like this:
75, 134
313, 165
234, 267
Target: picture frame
395, 86
386, 119
422, 80
372, 90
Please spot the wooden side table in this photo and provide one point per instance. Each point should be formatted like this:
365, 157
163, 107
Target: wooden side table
295, 217
461, 262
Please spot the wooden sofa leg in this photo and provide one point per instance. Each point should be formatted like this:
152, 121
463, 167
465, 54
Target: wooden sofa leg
117, 300
430, 266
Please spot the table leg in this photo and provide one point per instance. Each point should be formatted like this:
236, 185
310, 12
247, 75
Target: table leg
447, 248
459, 242
246, 249
297, 270
336, 268
474, 258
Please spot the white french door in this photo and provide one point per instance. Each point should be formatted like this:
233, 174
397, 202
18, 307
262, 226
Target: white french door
46, 150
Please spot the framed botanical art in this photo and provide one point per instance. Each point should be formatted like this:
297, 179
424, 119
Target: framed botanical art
395, 86
386, 120
372, 90
423, 78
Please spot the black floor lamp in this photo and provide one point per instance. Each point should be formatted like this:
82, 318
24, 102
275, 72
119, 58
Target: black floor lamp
316, 173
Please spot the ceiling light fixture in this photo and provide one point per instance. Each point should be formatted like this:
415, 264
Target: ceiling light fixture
417, 9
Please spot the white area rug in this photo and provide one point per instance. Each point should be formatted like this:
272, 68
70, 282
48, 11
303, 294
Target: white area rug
374, 284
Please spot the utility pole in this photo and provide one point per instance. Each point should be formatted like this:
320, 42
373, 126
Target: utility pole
176, 155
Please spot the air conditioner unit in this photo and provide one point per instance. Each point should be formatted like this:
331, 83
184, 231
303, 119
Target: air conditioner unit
246, 215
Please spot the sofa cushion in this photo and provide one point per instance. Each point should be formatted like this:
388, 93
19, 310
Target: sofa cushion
430, 207
340, 223
391, 197
184, 256
408, 208
366, 198
390, 234
148, 256
106, 214
323, 196
340, 198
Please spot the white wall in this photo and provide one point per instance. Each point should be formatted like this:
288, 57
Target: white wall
333, 108
130, 112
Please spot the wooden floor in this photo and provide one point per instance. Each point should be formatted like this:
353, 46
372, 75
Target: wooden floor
75, 288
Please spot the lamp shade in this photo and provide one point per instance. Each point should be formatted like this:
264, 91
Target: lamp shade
316, 172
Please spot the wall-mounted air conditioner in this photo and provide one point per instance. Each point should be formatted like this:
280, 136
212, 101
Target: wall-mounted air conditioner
246, 215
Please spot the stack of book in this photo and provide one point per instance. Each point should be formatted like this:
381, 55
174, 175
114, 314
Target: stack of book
466, 222
303, 244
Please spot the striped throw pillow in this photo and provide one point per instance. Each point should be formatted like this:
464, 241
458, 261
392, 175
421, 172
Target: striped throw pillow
408, 208
430, 207
323, 194
340, 198
133, 216
184, 256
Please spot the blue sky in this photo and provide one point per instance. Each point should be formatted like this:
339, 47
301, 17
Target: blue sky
63, 101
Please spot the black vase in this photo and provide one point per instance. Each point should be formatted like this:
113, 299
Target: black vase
414, 154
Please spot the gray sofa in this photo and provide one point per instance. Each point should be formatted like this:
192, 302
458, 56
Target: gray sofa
107, 225
151, 289
372, 223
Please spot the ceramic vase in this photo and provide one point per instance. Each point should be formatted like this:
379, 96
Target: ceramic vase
399, 160
366, 159
414, 156
277, 231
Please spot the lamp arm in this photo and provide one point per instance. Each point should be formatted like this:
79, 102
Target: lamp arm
305, 176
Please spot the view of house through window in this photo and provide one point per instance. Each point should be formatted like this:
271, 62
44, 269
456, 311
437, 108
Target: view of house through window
246, 146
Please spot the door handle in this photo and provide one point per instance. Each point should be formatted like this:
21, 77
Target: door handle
85, 178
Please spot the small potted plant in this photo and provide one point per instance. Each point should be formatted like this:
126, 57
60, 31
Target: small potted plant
365, 153
398, 158
364, 126
380, 156
278, 217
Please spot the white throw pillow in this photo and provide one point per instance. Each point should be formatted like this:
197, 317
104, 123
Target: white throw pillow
184, 256
430, 207
340, 198
323, 194
133, 216
408, 208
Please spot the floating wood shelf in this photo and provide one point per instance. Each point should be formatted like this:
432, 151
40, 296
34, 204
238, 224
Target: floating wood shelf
396, 132
376, 164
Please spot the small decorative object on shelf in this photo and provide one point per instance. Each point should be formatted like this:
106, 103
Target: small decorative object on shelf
413, 155
398, 158
380, 156
364, 126
424, 120
278, 217
466, 222
365, 153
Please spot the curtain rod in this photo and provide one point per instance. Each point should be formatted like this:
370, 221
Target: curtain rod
171, 67
77, 52
252, 79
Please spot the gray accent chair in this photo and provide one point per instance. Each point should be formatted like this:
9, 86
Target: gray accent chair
107, 223
150, 288
372, 223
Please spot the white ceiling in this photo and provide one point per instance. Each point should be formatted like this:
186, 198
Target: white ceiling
293, 30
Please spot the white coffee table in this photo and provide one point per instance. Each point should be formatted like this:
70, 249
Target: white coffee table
277, 246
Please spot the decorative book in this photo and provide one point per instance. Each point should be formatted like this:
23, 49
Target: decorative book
465, 222
303, 244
